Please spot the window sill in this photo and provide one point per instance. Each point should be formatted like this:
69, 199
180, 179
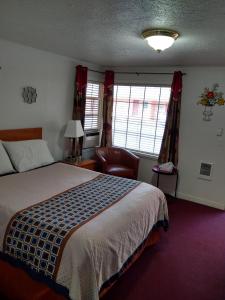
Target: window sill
145, 155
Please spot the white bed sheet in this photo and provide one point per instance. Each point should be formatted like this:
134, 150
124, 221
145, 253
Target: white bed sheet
99, 248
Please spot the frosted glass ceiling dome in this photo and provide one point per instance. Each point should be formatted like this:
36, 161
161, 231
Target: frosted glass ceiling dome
160, 39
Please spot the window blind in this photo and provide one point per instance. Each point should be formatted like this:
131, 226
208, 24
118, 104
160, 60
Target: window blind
91, 120
139, 115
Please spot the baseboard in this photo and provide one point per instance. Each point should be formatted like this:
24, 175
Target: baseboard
201, 201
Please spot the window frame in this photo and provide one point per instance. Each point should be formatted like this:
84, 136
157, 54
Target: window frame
100, 103
140, 153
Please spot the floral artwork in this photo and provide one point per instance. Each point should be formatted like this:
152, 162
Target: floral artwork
209, 98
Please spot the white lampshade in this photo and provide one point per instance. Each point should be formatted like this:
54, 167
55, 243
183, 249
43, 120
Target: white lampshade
160, 39
160, 42
74, 129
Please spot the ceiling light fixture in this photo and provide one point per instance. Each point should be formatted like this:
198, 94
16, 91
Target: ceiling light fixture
160, 39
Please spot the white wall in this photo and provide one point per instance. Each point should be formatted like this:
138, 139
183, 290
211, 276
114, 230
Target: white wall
198, 140
53, 77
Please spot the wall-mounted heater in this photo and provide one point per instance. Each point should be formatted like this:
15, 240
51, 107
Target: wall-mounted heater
205, 171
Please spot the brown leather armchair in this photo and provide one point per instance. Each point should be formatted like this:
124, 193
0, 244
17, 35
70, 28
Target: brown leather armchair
117, 161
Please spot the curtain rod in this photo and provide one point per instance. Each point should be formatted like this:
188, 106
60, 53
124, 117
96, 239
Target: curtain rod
136, 73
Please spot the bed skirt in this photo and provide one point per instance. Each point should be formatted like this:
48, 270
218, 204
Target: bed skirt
17, 284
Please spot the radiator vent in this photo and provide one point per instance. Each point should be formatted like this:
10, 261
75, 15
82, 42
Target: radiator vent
206, 170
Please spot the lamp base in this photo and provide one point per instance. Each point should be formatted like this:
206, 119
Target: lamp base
73, 159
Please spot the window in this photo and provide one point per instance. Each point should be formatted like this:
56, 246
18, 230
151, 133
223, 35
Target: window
92, 108
139, 116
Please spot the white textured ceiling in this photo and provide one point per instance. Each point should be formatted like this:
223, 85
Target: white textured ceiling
107, 32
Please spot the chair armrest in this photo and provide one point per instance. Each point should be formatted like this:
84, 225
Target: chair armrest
131, 160
102, 161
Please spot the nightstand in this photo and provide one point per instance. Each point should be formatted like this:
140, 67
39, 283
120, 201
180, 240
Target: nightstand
159, 172
86, 164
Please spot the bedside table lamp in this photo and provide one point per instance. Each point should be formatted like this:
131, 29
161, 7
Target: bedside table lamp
73, 131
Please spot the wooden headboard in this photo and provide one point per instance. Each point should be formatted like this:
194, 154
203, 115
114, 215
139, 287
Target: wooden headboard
21, 134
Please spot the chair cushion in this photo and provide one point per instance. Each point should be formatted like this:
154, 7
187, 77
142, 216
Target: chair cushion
120, 170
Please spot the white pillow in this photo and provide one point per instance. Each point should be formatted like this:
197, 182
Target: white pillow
5, 163
28, 155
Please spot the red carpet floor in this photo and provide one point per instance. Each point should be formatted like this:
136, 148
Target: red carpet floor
187, 264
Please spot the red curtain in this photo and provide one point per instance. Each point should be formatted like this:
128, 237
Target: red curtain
170, 142
80, 97
107, 109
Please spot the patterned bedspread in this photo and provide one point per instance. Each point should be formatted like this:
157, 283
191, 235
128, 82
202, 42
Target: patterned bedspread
37, 235
74, 228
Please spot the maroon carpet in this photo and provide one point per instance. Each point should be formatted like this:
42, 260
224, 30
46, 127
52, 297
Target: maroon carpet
187, 264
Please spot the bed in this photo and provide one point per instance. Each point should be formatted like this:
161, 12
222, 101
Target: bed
118, 220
